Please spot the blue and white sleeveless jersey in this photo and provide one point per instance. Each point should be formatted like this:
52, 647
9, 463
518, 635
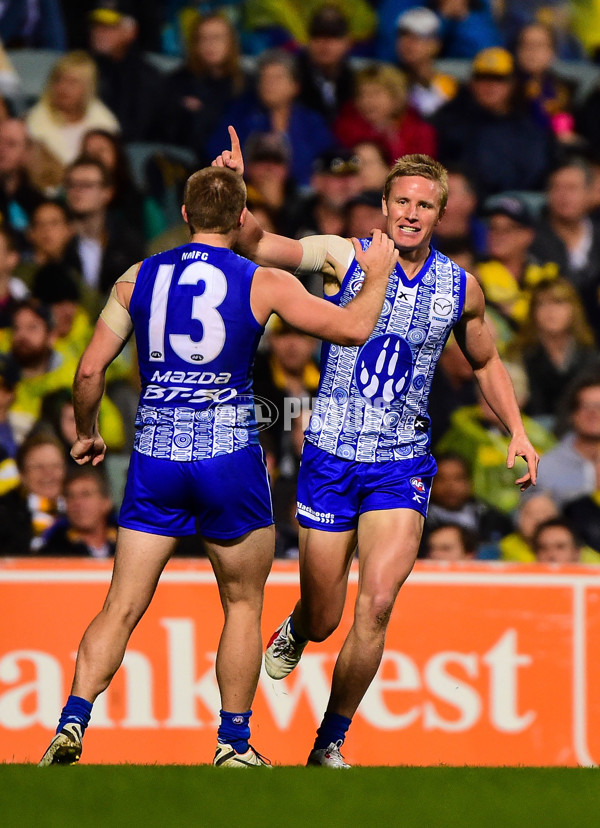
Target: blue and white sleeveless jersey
196, 338
371, 405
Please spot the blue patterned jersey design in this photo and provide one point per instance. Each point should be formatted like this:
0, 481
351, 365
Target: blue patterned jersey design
371, 405
196, 338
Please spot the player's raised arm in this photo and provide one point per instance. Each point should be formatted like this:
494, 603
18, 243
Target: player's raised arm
268, 249
278, 291
476, 341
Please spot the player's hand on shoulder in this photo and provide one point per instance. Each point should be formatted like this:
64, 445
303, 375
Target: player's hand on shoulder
233, 158
88, 449
380, 258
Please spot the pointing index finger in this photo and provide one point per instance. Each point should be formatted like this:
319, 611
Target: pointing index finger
236, 149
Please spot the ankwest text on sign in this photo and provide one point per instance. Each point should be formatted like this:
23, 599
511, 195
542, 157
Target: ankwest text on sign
485, 664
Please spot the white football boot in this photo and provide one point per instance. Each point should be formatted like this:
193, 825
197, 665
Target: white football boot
227, 757
283, 651
329, 757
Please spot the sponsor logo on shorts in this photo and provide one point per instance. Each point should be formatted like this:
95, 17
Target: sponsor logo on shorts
312, 514
419, 496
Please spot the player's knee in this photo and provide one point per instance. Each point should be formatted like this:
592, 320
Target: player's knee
373, 611
320, 632
124, 613
321, 626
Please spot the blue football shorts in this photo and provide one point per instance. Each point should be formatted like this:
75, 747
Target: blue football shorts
333, 492
227, 495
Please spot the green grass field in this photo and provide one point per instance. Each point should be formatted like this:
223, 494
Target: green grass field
140, 796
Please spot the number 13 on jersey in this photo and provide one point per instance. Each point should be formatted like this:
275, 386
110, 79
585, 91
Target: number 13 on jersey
204, 310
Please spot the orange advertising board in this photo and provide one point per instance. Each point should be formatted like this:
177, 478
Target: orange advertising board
485, 664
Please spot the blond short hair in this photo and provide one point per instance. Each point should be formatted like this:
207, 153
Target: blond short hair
419, 165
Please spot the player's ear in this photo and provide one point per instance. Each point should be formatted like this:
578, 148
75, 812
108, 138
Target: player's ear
184, 213
384, 206
242, 217
441, 215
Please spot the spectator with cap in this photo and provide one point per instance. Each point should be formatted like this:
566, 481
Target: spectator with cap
334, 182
326, 75
511, 270
467, 26
149, 15
418, 44
88, 527
267, 173
130, 86
286, 23
380, 112
199, 92
276, 108
485, 129
567, 234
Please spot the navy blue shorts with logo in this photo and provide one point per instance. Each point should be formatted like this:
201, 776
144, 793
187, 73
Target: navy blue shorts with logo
228, 495
333, 493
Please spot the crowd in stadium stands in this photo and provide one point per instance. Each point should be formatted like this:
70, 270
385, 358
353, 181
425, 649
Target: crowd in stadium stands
128, 98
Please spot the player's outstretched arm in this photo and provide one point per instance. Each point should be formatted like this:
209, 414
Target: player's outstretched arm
88, 388
279, 292
476, 341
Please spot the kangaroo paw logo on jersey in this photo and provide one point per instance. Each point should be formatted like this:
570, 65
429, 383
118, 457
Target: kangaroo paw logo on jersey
421, 489
384, 368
